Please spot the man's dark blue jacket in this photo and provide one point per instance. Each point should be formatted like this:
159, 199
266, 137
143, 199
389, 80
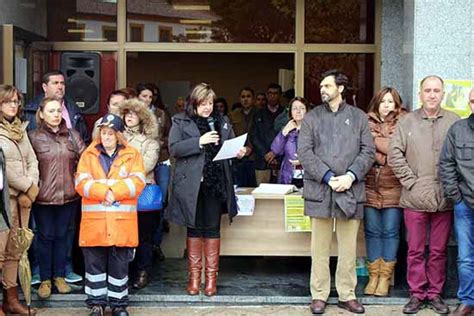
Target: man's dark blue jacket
77, 120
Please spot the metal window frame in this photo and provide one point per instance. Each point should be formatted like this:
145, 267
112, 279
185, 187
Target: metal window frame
299, 48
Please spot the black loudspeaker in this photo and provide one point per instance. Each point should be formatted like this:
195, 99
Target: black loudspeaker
82, 72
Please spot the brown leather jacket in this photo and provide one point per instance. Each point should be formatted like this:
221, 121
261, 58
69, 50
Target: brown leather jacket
58, 155
382, 187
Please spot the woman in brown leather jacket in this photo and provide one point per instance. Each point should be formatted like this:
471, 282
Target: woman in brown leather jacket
57, 149
382, 212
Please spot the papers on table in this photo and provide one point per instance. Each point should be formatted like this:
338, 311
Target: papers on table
231, 148
245, 204
273, 188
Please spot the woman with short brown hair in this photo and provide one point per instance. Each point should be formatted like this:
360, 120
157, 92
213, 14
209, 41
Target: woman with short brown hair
22, 178
201, 189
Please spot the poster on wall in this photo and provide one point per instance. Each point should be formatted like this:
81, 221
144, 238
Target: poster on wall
456, 96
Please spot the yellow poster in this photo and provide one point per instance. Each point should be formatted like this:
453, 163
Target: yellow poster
456, 97
295, 220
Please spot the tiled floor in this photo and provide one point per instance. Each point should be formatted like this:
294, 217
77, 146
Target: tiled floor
243, 281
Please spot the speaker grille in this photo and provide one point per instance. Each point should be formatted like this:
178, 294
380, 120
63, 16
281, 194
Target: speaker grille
82, 71
85, 91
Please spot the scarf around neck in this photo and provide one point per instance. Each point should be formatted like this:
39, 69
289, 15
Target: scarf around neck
14, 128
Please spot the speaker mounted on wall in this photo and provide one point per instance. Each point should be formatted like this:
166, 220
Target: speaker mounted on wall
82, 75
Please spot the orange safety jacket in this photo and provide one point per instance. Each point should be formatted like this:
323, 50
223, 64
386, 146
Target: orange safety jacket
115, 225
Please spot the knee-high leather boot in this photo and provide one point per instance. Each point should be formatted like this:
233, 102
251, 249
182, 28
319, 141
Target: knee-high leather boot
211, 252
11, 304
194, 247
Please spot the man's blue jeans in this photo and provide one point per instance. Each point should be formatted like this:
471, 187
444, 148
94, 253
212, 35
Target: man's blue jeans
382, 232
464, 227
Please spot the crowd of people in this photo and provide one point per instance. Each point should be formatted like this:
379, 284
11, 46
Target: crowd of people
383, 167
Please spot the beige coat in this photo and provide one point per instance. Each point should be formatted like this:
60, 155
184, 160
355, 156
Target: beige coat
22, 165
414, 153
144, 139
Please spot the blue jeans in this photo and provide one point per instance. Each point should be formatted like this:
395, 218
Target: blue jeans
464, 227
382, 232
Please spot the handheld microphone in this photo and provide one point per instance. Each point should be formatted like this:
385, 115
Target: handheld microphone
212, 127
210, 123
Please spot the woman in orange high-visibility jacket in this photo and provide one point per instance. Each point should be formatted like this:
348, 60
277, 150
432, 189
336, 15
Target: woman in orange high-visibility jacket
110, 177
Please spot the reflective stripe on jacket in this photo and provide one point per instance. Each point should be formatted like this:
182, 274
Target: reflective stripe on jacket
114, 225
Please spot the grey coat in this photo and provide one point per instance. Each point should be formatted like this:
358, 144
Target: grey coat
5, 217
456, 164
338, 142
186, 178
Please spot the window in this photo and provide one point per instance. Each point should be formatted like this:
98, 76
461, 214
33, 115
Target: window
165, 33
136, 32
81, 20
358, 67
109, 33
175, 73
206, 21
339, 21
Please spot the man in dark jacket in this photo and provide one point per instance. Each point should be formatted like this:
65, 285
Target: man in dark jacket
262, 133
456, 169
54, 87
241, 120
336, 150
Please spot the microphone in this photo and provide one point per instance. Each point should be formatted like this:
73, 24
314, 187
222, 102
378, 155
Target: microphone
210, 123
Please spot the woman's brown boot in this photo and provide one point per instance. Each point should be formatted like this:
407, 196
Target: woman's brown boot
11, 304
211, 252
374, 269
194, 247
386, 271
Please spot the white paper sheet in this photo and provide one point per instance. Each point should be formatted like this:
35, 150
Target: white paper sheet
231, 148
274, 188
245, 204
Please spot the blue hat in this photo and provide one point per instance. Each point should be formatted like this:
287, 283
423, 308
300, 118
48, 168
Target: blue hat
113, 121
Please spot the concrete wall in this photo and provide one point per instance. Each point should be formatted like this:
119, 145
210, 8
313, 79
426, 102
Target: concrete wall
443, 40
26, 14
422, 37
392, 73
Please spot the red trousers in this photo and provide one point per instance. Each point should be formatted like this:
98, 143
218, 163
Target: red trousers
426, 274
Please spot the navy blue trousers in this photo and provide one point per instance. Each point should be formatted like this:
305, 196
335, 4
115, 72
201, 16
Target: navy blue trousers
52, 222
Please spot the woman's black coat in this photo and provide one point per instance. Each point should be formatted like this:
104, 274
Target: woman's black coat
183, 145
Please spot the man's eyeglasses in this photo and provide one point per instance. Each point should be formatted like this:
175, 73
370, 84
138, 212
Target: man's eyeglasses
12, 103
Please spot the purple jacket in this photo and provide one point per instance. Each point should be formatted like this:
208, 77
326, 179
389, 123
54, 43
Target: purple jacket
286, 146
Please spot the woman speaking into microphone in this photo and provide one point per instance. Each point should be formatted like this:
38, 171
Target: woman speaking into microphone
202, 189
